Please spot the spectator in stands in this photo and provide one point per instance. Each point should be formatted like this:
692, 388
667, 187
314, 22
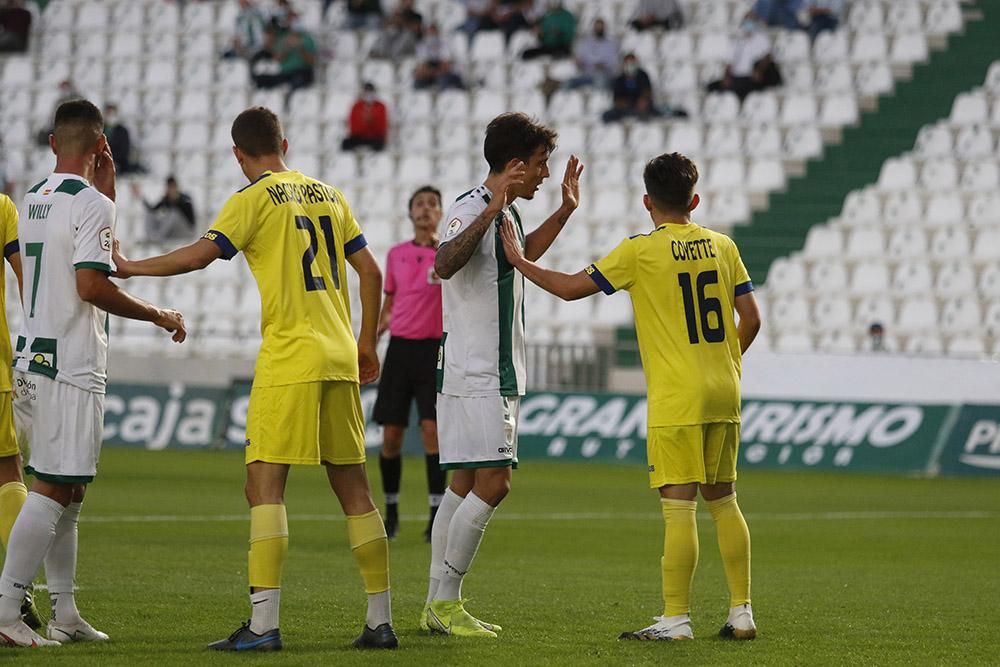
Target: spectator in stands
15, 26
364, 14
664, 14
633, 95
876, 338
295, 53
401, 33
750, 66
284, 18
556, 31
170, 218
434, 63
368, 124
596, 58
478, 16
67, 93
248, 32
781, 13
119, 141
822, 15
513, 15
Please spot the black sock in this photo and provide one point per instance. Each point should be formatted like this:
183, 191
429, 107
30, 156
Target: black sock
392, 471
437, 480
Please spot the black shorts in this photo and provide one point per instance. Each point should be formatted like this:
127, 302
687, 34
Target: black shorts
410, 372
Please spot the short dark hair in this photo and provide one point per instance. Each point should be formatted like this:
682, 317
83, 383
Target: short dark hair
78, 124
257, 131
426, 188
515, 135
670, 180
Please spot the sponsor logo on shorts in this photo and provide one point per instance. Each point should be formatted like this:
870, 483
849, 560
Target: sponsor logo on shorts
246, 443
507, 451
652, 468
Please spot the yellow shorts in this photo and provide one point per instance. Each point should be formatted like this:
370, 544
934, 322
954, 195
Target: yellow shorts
8, 434
307, 423
704, 453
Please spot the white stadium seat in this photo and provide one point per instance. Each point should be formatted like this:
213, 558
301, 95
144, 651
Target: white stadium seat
865, 242
939, 174
862, 207
897, 174
961, 314
907, 242
785, 275
828, 277
869, 279
981, 176
955, 277
823, 241
875, 308
908, 48
912, 277
969, 109
918, 314
950, 243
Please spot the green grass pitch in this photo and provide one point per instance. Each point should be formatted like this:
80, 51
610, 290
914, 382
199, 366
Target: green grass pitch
847, 569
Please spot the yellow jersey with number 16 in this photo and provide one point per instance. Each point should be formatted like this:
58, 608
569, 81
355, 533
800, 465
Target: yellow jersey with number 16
296, 232
683, 280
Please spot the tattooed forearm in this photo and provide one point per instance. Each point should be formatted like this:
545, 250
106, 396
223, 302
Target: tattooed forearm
455, 254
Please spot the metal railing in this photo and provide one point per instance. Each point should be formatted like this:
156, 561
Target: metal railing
568, 367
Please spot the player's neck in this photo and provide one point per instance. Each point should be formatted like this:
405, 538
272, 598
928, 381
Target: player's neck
424, 237
660, 219
267, 163
75, 164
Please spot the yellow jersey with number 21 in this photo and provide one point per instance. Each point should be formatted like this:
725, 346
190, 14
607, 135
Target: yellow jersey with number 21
296, 232
683, 280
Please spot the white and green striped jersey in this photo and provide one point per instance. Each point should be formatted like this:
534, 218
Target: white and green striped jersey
482, 347
64, 225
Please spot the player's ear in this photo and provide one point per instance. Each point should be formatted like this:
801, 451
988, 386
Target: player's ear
52, 144
647, 203
284, 146
238, 155
695, 200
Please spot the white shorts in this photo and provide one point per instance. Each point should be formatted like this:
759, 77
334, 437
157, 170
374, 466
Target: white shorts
477, 431
61, 425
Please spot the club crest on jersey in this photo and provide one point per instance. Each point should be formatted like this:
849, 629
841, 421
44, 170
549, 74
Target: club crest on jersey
453, 228
106, 238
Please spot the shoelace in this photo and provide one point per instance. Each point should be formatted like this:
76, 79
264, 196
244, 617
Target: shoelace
245, 626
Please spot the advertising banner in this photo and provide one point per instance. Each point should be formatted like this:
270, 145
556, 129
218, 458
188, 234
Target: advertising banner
973, 445
889, 437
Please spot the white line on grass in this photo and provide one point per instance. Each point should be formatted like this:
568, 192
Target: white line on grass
565, 516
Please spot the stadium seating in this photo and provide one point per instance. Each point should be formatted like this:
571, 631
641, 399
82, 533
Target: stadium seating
158, 61
921, 246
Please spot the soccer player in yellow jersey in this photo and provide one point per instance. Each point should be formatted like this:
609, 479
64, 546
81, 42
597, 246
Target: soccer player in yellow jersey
13, 492
685, 282
305, 405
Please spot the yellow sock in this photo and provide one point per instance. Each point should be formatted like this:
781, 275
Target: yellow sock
734, 545
680, 554
366, 533
268, 545
12, 497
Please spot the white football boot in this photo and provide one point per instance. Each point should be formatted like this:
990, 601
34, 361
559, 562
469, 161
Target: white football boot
740, 623
666, 628
19, 634
77, 632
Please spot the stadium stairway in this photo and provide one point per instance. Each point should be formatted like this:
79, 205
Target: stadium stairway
880, 134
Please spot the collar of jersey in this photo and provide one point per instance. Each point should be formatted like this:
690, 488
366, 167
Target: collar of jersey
65, 175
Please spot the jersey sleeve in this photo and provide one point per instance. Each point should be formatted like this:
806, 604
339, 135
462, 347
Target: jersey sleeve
458, 220
741, 279
94, 236
354, 240
390, 275
233, 228
617, 270
8, 226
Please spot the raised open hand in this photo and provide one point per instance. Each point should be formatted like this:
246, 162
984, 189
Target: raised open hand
511, 244
571, 183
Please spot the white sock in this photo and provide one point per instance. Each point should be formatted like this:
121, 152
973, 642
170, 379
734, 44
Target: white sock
379, 609
265, 606
439, 538
29, 540
60, 567
464, 535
